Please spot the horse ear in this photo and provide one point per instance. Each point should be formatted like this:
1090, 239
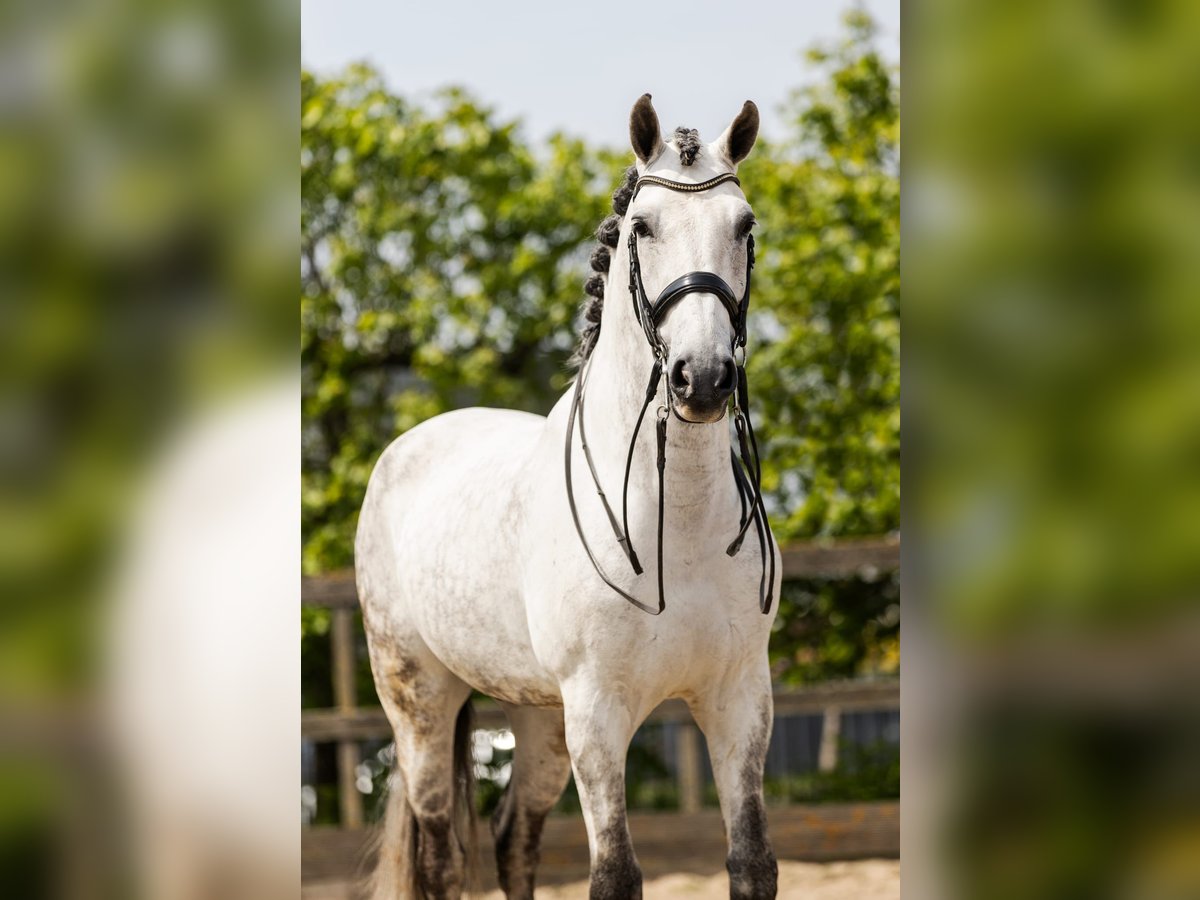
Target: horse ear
739, 137
643, 130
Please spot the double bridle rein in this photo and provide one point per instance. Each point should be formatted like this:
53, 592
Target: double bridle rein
747, 469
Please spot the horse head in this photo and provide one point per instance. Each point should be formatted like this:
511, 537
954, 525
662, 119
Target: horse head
677, 230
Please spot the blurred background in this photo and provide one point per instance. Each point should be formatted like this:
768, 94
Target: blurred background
444, 249
148, 447
148, 262
1052, 398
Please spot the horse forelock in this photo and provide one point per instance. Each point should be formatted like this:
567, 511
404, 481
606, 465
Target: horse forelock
687, 142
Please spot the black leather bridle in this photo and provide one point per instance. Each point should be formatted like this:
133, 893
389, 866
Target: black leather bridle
747, 469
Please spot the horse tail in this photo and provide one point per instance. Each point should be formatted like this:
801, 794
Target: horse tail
395, 841
395, 845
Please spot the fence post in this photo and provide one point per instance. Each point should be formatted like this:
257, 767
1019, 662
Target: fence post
341, 637
691, 772
831, 732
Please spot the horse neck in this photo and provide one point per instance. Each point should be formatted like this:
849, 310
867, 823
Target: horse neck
698, 469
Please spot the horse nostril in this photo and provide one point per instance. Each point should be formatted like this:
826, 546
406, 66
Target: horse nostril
681, 381
727, 378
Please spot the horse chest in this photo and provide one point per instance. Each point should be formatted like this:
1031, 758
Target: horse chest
711, 628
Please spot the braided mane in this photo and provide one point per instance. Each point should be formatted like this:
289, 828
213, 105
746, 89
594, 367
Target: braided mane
608, 234
687, 142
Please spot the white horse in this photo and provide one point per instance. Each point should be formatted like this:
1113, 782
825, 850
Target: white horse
472, 573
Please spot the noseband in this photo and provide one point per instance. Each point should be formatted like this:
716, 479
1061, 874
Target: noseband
747, 469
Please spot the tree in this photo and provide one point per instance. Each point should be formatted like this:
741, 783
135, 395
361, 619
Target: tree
825, 353
441, 268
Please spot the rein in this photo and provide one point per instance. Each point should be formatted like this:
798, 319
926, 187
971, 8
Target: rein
747, 468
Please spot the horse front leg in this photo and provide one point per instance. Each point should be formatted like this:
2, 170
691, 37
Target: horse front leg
599, 727
737, 726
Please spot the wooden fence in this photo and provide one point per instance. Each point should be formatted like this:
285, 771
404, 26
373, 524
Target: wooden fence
347, 724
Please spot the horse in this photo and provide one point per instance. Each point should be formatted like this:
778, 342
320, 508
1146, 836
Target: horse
483, 562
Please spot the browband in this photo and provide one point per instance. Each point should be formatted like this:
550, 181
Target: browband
684, 187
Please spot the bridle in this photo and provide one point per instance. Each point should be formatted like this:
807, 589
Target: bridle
747, 469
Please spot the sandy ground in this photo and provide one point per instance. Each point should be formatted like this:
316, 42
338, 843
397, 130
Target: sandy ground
872, 879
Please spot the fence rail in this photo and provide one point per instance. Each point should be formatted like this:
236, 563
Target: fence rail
347, 724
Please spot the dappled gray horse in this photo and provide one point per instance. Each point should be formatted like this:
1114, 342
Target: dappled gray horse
490, 557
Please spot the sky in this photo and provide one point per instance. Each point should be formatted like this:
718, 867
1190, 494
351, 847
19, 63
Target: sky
578, 67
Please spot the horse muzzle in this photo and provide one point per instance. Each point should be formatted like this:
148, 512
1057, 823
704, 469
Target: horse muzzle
701, 386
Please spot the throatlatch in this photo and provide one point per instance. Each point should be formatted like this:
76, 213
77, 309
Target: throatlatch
747, 468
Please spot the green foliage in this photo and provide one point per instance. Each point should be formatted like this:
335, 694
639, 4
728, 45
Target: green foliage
316, 664
825, 353
1056, 266
836, 629
441, 268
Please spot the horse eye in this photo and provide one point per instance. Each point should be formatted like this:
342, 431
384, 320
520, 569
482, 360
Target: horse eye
640, 228
745, 228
